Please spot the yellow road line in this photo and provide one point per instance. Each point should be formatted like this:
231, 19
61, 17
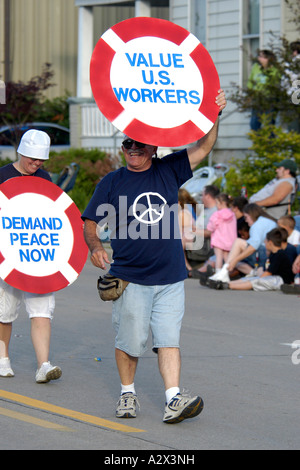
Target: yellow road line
30, 419
66, 412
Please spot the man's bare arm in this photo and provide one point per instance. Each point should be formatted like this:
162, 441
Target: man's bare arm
280, 193
202, 148
99, 255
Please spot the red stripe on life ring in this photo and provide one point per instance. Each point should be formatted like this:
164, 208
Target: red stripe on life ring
140, 27
211, 82
79, 253
164, 137
24, 185
41, 284
101, 87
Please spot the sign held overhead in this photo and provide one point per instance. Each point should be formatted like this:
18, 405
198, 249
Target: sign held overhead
155, 82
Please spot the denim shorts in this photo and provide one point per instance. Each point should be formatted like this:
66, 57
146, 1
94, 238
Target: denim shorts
144, 308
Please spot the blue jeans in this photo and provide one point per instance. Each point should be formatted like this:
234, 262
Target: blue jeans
259, 256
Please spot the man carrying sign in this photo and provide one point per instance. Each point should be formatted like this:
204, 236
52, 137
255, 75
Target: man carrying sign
154, 266
33, 151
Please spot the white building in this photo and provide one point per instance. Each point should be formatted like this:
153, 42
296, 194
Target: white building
227, 28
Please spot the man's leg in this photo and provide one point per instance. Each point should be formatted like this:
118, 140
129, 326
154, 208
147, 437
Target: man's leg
169, 363
127, 365
178, 407
130, 318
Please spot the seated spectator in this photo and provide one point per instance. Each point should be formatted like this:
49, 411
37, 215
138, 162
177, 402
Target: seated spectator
293, 288
209, 202
210, 192
288, 222
297, 220
276, 196
238, 204
290, 250
223, 227
260, 224
187, 214
243, 230
187, 201
278, 272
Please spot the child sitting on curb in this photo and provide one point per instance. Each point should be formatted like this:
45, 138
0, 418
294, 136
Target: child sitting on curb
288, 222
278, 272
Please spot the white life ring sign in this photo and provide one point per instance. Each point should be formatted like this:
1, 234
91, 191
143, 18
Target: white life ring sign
155, 82
42, 246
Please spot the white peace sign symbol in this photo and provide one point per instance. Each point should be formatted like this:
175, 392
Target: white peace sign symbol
151, 215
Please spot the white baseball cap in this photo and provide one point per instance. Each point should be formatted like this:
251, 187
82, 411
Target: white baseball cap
35, 144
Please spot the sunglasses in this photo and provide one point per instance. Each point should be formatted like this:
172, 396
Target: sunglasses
128, 143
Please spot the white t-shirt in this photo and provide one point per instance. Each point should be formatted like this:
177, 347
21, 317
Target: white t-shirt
268, 190
294, 238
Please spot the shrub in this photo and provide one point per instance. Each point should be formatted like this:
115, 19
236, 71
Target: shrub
94, 164
270, 145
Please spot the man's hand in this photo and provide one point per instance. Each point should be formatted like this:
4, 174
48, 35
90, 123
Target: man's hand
99, 258
201, 149
98, 254
221, 99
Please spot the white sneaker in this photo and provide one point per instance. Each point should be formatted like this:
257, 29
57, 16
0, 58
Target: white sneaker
182, 407
5, 368
47, 372
222, 275
126, 406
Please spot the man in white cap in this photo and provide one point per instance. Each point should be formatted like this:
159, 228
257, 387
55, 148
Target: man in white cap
33, 151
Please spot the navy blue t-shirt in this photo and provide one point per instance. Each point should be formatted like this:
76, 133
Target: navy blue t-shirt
9, 171
280, 265
141, 209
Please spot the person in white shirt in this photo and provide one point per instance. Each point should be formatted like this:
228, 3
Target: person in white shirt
288, 222
275, 197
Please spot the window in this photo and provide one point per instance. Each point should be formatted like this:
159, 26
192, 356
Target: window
250, 34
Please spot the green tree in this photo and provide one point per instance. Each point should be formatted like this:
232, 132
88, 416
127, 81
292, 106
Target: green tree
55, 110
270, 145
23, 101
93, 165
276, 94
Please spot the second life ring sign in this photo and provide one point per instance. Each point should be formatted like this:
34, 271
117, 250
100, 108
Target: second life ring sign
155, 82
42, 246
